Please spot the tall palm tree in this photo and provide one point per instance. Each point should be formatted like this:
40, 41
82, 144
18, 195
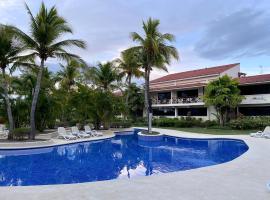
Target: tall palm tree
155, 53
47, 28
105, 76
10, 50
129, 66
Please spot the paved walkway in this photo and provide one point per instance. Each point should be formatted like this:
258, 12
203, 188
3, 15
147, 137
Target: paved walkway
244, 178
49, 140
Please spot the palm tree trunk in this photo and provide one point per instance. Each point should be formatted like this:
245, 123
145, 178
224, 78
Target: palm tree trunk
129, 83
34, 101
9, 112
147, 99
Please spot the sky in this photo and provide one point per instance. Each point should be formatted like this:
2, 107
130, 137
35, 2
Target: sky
208, 32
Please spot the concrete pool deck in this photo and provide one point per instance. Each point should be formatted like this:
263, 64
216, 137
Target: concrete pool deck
50, 140
244, 178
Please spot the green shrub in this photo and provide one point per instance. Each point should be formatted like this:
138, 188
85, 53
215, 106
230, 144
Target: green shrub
20, 133
210, 123
121, 124
250, 123
165, 122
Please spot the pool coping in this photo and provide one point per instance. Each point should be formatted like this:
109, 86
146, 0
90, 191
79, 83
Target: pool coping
208, 183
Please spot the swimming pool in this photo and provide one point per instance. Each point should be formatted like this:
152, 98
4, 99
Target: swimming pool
121, 157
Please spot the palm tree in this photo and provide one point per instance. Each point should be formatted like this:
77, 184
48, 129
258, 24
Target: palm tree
105, 75
155, 52
47, 28
10, 50
130, 67
68, 75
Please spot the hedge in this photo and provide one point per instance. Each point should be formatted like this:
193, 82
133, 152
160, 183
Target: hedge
250, 123
183, 122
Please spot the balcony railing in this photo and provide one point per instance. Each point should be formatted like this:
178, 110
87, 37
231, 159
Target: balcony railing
177, 100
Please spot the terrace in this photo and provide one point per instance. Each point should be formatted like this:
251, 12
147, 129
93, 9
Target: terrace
217, 182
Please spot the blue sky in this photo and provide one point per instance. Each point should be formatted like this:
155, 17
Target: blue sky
208, 32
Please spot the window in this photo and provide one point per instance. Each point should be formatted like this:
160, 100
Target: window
163, 111
164, 96
192, 111
187, 93
255, 111
255, 89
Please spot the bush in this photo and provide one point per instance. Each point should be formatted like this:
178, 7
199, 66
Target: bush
121, 124
183, 122
250, 123
210, 123
20, 133
165, 122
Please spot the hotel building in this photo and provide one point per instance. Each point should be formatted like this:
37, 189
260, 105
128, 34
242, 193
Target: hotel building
180, 94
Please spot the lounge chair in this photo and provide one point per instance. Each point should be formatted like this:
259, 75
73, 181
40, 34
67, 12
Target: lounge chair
267, 135
75, 131
62, 133
264, 133
88, 130
3, 131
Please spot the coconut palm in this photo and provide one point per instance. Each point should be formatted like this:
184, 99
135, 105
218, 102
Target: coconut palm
155, 52
105, 76
68, 74
47, 28
10, 57
130, 67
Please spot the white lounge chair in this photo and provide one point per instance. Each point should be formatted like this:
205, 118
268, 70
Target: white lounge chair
3, 131
88, 130
264, 133
75, 131
62, 133
267, 135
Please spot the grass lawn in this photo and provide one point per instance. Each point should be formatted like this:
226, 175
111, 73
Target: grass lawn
212, 131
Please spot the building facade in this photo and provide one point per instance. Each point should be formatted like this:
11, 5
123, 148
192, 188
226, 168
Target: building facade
180, 94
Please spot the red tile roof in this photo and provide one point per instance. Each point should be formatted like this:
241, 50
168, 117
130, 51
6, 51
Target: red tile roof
186, 86
195, 73
254, 79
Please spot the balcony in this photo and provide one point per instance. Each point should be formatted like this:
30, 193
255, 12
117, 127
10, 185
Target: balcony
186, 100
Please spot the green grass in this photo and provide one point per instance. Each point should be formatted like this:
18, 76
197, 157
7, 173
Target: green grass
212, 131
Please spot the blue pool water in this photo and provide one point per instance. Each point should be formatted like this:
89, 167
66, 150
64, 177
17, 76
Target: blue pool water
121, 157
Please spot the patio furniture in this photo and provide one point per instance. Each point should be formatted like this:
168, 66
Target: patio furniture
264, 133
88, 130
75, 131
62, 133
3, 131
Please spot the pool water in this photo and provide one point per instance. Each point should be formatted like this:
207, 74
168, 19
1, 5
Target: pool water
121, 157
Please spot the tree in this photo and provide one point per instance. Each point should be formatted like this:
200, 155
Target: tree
10, 50
47, 28
155, 52
105, 76
135, 101
224, 95
68, 74
129, 67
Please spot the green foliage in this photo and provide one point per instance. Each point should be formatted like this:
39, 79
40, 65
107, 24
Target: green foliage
105, 76
121, 124
224, 95
250, 123
135, 101
20, 133
183, 122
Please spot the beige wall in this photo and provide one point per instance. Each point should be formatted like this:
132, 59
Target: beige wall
233, 72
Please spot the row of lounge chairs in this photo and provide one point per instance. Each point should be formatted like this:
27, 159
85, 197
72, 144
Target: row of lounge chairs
262, 134
76, 133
